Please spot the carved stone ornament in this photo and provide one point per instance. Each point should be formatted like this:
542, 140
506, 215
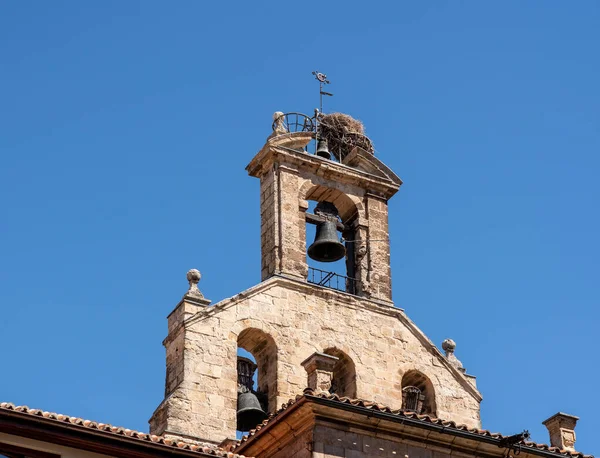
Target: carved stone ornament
319, 368
449, 346
361, 252
561, 427
279, 126
193, 277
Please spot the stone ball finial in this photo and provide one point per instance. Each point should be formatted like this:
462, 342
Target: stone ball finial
193, 277
449, 345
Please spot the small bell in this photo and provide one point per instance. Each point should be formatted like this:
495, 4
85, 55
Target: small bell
249, 411
327, 246
323, 149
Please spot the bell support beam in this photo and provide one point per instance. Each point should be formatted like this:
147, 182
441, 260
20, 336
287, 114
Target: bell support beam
316, 219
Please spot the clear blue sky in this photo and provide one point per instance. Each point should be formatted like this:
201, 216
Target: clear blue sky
125, 128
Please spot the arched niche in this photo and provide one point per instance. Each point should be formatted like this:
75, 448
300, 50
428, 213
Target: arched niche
344, 374
418, 394
263, 349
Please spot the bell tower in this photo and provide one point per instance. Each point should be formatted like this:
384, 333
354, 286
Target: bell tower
356, 188
303, 326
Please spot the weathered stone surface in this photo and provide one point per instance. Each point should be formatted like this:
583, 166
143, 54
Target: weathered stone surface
561, 427
319, 367
285, 319
282, 322
289, 179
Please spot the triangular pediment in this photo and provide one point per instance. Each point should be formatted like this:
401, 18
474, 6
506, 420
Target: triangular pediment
367, 162
407, 333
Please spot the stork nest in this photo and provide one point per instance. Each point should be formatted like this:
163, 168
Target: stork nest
343, 133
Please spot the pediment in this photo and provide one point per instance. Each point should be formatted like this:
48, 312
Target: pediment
367, 162
249, 305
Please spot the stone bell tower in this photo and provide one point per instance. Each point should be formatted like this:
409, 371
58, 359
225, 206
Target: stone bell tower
302, 328
359, 188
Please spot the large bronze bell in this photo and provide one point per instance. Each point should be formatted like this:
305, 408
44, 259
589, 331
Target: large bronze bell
327, 246
249, 411
323, 149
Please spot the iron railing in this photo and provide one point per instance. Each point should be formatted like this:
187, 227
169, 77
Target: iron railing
332, 280
294, 122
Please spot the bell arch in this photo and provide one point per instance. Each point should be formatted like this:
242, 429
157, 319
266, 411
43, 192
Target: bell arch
335, 213
349, 206
344, 373
418, 394
263, 349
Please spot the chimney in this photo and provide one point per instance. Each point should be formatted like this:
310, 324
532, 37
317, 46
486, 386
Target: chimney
561, 427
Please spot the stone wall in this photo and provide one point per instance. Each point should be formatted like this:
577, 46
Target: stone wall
299, 447
335, 443
282, 322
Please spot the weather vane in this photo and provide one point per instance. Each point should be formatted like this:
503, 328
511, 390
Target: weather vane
322, 78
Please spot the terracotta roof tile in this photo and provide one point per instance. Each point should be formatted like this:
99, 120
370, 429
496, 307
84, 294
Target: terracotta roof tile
403, 414
182, 444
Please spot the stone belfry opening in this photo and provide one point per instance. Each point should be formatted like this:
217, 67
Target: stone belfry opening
307, 326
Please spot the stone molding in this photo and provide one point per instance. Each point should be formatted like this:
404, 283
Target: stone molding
276, 151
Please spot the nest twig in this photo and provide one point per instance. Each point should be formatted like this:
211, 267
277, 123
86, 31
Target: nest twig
343, 133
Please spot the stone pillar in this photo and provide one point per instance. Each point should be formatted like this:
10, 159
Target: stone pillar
361, 258
172, 415
268, 225
319, 368
191, 303
379, 276
561, 427
282, 247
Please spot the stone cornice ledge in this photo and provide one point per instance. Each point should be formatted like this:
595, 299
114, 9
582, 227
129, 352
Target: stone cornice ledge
277, 147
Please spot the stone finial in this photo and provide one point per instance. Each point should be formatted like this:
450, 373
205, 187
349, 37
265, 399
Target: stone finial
193, 277
561, 427
449, 346
319, 368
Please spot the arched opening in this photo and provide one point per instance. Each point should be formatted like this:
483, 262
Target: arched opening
262, 350
418, 394
344, 374
329, 224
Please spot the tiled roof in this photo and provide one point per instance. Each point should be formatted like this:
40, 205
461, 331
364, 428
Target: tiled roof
448, 424
182, 444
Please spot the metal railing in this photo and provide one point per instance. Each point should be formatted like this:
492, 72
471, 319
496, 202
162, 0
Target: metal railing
332, 280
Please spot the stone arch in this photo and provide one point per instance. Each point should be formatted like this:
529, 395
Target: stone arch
350, 210
264, 350
349, 207
415, 379
344, 373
